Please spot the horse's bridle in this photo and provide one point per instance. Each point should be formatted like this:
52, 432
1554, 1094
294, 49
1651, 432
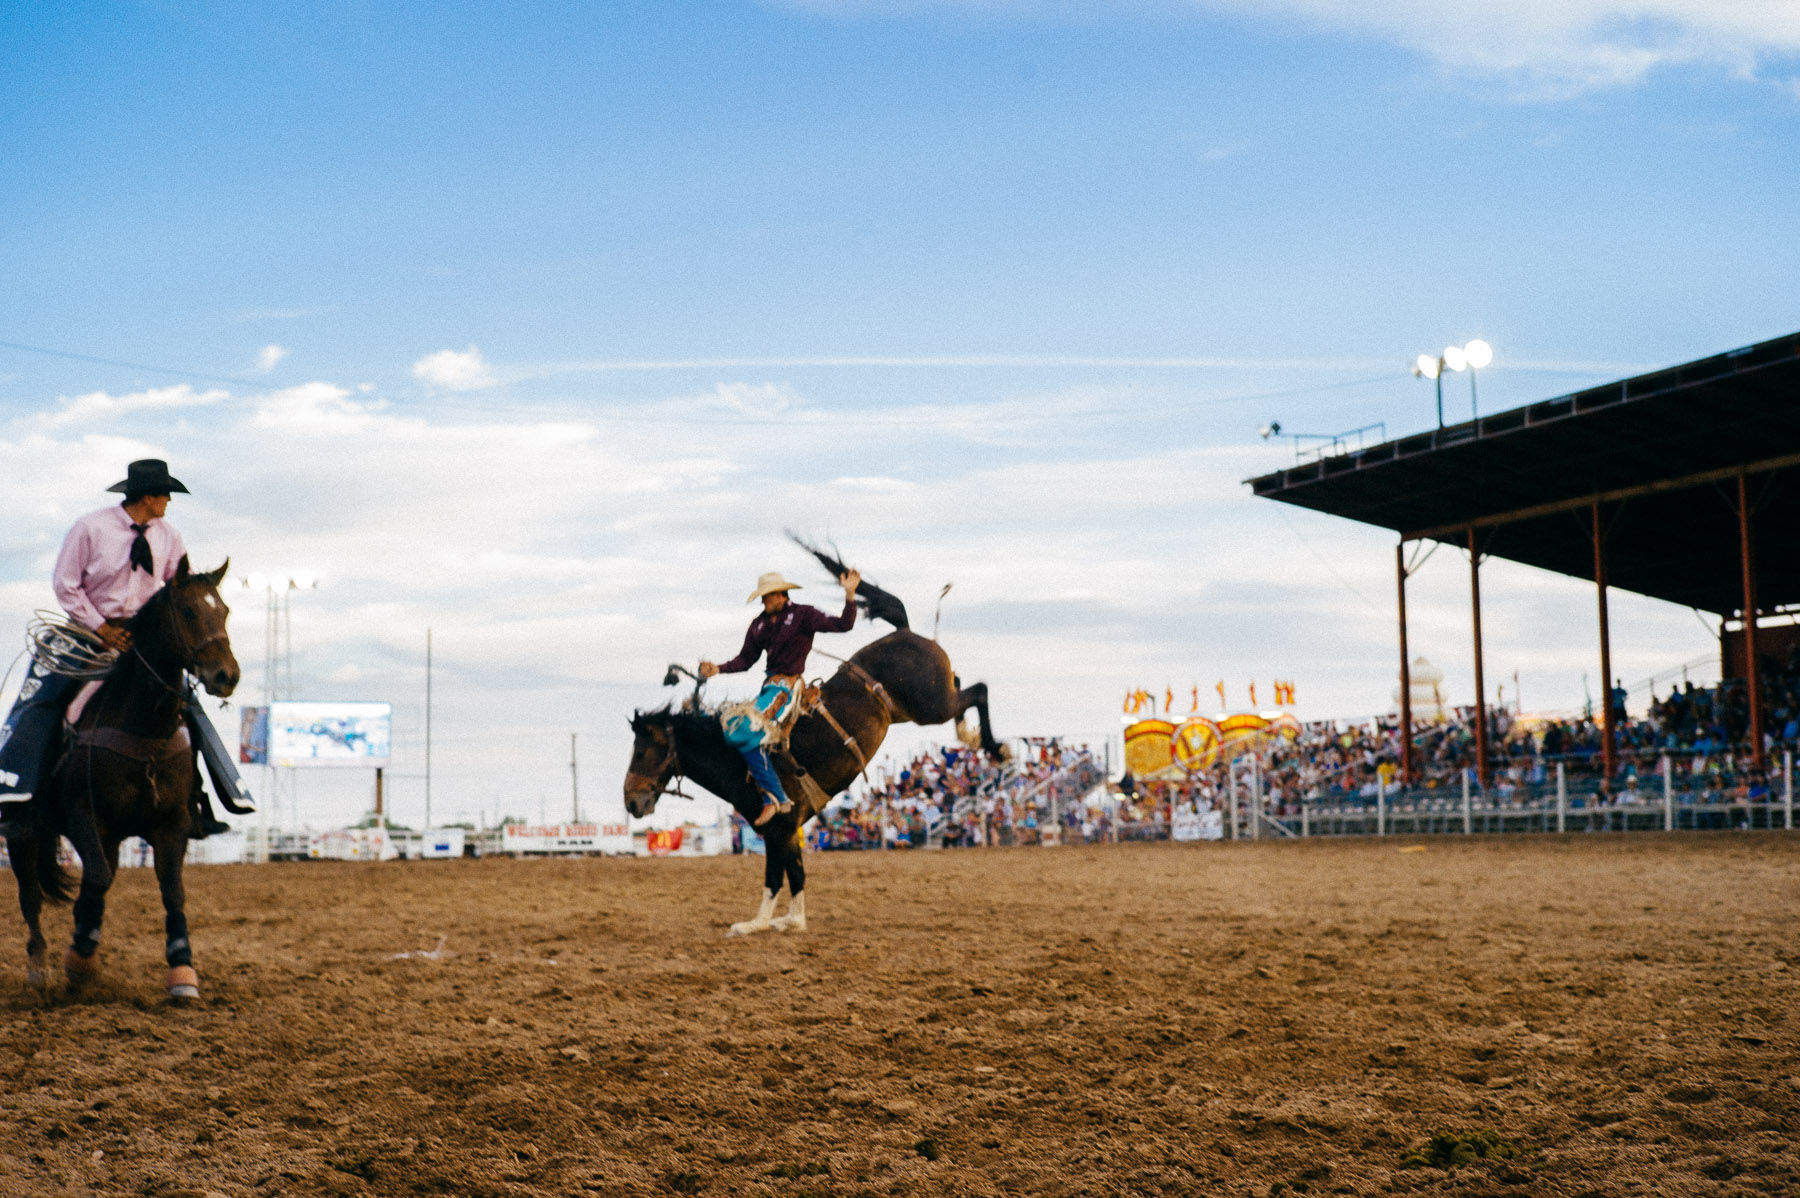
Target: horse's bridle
671, 762
188, 653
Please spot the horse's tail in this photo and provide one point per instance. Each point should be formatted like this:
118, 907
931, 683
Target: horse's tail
880, 604
53, 879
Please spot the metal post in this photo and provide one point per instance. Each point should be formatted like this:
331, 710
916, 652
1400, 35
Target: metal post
1466, 812
1305, 826
1668, 773
1231, 802
1256, 797
428, 727
1380, 809
1787, 789
380, 814
1440, 391
1406, 745
1609, 738
1749, 562
1481, 731
1562, 799
574, 782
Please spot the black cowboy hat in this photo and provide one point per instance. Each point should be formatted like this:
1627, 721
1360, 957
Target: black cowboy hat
149, 477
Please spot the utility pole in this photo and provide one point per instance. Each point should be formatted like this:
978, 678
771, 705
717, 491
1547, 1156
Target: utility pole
574, 782
428, 726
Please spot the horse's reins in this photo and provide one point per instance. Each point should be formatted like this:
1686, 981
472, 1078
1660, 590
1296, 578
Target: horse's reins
672, 763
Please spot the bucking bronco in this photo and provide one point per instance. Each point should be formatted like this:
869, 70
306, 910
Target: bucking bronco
901, 678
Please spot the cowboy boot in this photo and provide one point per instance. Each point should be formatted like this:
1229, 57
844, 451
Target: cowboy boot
204, 823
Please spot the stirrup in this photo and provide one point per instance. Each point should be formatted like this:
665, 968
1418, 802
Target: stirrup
770, 809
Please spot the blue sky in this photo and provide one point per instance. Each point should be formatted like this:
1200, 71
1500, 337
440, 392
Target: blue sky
601, 298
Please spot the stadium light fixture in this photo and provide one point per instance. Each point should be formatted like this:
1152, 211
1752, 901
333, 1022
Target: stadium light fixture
1474, 356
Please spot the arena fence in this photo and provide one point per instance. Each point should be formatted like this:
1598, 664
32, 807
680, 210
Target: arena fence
1677, 796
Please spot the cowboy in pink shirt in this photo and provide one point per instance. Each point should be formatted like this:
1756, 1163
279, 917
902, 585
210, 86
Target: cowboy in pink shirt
111, 563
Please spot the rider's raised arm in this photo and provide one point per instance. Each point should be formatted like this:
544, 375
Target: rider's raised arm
843, 622
746, 656
66, 580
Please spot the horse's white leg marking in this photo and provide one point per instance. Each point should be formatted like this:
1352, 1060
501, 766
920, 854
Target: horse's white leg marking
764, 917
795, 919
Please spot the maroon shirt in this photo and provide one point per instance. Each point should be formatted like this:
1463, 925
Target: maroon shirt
787, 637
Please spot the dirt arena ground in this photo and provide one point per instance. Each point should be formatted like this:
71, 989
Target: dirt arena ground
1592, 1015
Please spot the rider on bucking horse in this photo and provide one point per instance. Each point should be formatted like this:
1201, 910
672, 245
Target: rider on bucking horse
112, 562
785, 632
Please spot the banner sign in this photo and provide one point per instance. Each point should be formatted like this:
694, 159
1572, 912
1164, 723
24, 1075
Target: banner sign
1204, 825
309, 734
1196, 743
1147, 747
253, 736
1158, 749
566, 838
352, 844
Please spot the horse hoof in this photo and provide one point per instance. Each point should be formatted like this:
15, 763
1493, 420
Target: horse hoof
37, 973
746, 929
79, 969
183, 983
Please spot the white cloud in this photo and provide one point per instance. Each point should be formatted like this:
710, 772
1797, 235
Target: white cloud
97, 406
315, 407
561, 563
1552, 48
269, 357
449, 370
1536, 49
756, 399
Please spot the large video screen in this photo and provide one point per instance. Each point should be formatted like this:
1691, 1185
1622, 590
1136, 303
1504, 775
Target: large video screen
305, 734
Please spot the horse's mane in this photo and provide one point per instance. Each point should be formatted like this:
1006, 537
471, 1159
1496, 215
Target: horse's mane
880, 604
152, 609
697, 724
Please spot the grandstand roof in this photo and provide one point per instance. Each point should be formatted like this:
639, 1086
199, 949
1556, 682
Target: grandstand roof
1661, 452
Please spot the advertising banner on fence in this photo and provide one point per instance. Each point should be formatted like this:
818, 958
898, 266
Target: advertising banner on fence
352, 844
1206, 825
566, 838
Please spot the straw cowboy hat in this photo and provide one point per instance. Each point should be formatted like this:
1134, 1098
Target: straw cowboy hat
769, 583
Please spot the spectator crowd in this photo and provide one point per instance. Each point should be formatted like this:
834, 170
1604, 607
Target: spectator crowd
954, 796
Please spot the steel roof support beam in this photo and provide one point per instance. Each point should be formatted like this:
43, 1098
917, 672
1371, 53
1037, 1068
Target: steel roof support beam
1745, 552
1481, 729
1406, 723
1609, 737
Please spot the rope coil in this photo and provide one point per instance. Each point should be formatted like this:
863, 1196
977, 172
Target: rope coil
66, 649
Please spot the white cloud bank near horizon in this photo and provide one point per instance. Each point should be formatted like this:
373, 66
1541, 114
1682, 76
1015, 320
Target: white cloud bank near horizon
562, 560
1534, 49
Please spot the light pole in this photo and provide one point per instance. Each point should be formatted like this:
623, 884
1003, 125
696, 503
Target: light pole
278, 648
1476, 355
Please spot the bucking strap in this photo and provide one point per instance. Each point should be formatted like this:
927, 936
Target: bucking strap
862, 762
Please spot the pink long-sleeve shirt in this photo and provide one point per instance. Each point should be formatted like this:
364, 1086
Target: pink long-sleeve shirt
94, 579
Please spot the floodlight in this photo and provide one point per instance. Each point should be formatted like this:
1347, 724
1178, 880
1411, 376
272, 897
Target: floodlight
1479, 353
1425, 366
1271, 429
1453, 358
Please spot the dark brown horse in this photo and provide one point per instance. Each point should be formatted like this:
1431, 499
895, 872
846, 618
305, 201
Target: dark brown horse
901, 678
128, 771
